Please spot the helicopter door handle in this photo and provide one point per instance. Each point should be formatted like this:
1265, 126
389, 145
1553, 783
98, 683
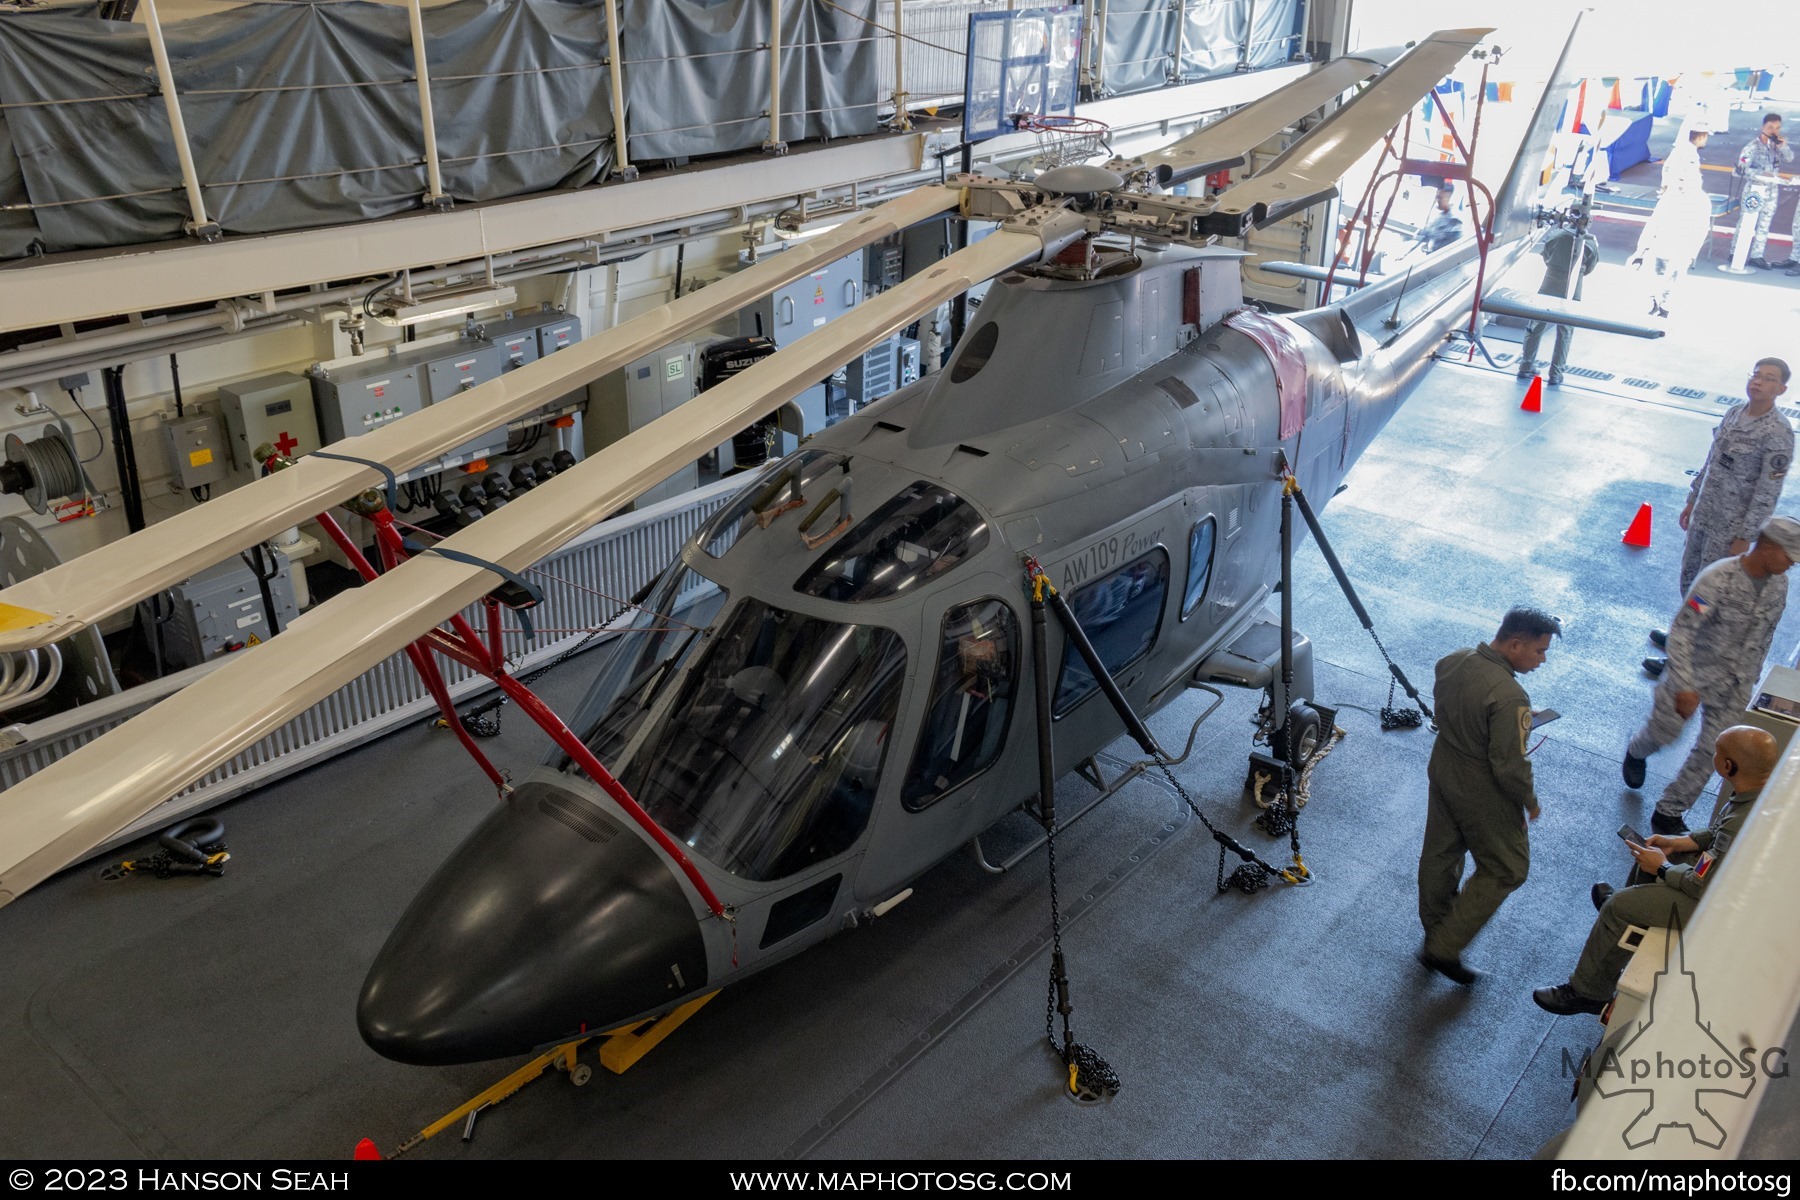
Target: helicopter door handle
784, 311
851, 293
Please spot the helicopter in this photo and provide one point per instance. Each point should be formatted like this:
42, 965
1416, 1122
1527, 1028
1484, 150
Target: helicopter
828, 690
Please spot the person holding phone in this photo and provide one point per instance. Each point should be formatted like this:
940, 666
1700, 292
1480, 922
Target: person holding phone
1480, 794
1758, 165
1744, 757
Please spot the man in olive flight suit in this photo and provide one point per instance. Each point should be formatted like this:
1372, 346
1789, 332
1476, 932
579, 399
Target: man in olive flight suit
1481, 792
1717, 644
1744, 757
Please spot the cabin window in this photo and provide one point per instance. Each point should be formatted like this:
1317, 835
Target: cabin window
975, 355
1119, 613
1200, 559
769, 758
912, 539
645, 655
971, 700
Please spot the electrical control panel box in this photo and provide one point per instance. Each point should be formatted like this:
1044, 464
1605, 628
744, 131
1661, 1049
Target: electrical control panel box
630, 399
559, 334
906, 361
197, 456
221, 609
275, 410
467, 365
885, 368
792, 312
884, 263
365, 394
529, 336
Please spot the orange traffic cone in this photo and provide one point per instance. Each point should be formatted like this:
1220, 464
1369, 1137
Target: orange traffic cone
365, 1151
1639, 533
1534, 396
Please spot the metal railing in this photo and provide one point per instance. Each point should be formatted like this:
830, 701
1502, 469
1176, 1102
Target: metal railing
583, 588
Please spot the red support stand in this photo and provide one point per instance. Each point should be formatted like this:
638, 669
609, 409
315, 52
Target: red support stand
487, 657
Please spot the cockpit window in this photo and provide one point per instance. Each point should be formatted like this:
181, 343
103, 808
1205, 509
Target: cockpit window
773, 487
917, 536
643, 656
975, 355
769, 758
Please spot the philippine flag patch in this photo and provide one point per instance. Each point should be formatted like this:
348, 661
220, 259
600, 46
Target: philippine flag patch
1703, 866
1698, 603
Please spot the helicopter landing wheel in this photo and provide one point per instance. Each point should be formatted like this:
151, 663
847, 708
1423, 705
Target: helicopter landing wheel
1298, 740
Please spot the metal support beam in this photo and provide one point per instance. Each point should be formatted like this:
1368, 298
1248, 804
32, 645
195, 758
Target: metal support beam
774, 144
434, 175
615, 69
1102, 9
902, 118
1180, 53
198, 224
1249, 32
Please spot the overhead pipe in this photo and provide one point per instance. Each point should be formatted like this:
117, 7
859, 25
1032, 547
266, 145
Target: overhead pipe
33, 364
199, 225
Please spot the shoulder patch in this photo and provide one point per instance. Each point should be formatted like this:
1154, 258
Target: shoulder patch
1524, 730
1778, 465
1699, 604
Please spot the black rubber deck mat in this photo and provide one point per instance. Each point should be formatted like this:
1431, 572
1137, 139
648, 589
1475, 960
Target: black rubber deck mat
1647, 384
1687, 393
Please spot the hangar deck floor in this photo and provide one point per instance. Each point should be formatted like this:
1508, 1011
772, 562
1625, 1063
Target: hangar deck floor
214, 1018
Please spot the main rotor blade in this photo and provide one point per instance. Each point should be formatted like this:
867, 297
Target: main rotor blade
1226, 142
57, 815
49, 607
1308, 171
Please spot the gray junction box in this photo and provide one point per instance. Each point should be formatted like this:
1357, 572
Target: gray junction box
196, 448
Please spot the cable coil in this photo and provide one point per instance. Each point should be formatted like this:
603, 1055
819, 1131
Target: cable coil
50, 462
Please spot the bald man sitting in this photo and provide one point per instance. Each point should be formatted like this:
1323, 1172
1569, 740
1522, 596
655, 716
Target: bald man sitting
1743, 756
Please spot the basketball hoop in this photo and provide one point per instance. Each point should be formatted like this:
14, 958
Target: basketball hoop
1065, 141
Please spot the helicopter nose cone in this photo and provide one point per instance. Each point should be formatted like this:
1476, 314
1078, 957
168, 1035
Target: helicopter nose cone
553, 917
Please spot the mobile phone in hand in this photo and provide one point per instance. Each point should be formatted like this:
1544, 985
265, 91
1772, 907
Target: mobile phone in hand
1632, 837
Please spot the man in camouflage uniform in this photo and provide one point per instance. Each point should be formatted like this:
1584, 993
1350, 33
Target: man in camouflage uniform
1758, 165
1737, 487
1480, 792
1744, 757
1717, 644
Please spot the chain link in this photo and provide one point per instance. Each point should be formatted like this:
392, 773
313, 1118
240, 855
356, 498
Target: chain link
1393, 718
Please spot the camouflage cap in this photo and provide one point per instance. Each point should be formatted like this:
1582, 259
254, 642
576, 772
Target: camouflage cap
1784, 532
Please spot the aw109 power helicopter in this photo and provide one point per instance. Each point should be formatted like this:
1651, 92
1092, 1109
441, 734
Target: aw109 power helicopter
827, 692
